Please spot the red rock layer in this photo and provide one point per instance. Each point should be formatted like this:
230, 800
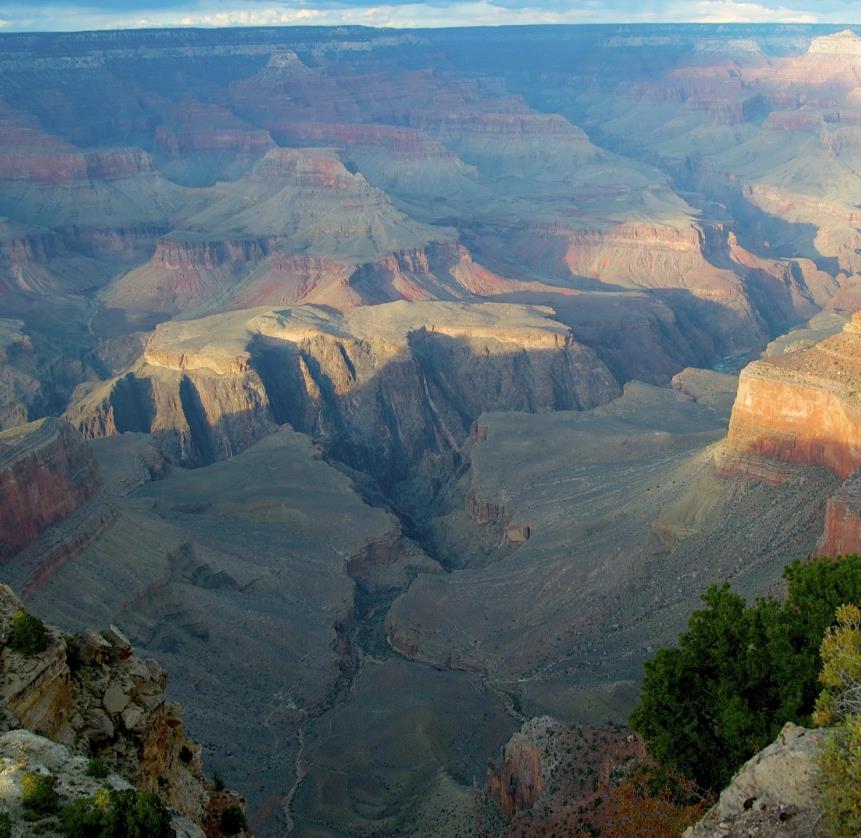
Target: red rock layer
519, 781
804, 407
406, 142
841, 534
46, 473
65, 168
242, 142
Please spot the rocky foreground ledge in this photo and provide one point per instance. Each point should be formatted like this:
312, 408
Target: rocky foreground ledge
775, 793
88, 696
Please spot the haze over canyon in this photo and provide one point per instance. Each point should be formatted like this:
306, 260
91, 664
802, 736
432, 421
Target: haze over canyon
394, 389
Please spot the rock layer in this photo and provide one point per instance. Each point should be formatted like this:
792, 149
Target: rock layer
841, 534
420, 372
804, 407
46, 473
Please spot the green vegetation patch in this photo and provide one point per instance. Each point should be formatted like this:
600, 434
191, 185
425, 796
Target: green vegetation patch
740, 672
116, 814
38, 795
98, 768
232, 820
29, 635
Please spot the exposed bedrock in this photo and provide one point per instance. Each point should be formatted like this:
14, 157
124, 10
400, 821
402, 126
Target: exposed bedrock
245, 142
189, 558
803, 407
841, 534
726, 300
109, 703
50, 262
72, 166
46, 473
388, 388
197, 274
625, 516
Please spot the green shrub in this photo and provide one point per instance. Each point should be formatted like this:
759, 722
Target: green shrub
116, 814
83, 818
5, 825
841, 668
74, 660
840, 778
739, 672
98, 768
38, 795
28, 636
232, 820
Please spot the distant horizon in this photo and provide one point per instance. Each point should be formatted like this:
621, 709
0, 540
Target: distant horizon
835, 26
56, 16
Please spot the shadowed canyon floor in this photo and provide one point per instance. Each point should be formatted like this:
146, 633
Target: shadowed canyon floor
385, 386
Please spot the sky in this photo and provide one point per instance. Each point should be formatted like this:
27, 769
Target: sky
41, 15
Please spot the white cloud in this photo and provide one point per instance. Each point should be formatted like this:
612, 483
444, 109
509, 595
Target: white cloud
426, 13
255, 17
470, 13
737, 11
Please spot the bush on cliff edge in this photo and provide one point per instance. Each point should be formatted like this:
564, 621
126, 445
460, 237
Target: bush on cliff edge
839, 705
28, 636
740, 672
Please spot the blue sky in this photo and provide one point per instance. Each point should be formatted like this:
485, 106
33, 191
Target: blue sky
98, 14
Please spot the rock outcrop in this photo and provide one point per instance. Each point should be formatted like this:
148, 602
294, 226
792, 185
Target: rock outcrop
422, 372
92, 696
775, 793
525, 767
23, 753
841, 533
46, 473
550, 777
803, 407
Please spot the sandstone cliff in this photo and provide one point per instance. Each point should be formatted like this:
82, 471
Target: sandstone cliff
92, 696
551, 778
421, 373
46, 473
841, 533
801, 407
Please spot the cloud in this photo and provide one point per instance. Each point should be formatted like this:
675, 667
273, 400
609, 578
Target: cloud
244, 17
101, 14
731, 11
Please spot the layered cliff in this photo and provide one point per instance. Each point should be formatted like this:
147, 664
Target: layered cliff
841, 532
552, 778
92, 696
197, 275
801, 407
46, 473
422, 372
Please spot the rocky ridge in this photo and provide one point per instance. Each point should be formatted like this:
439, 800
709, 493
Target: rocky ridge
91, 696
423, 372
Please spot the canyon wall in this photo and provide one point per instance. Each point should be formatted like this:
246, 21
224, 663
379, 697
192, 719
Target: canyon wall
803, 407
46, 473
385, 389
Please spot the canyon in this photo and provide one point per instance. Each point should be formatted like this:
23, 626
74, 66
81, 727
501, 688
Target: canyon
400, 392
